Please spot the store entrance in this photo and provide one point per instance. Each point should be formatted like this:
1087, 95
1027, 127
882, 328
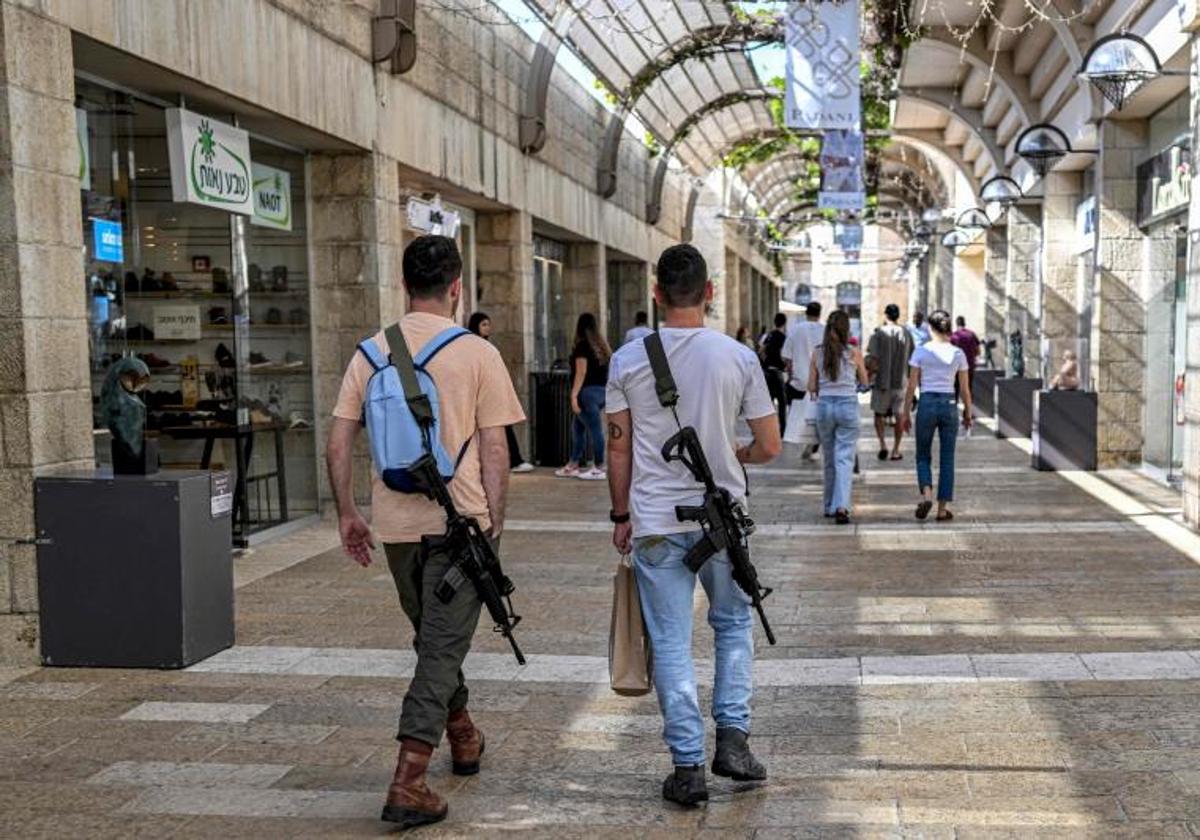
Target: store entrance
1166, 367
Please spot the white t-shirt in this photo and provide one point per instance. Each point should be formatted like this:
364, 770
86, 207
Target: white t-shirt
798, 347
939, 363
719, 381
636, 333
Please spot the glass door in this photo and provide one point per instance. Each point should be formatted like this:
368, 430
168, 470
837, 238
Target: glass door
1179, 335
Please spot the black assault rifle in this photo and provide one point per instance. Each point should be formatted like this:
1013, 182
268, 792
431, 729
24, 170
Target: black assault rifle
464, 542
470, 552
726, 525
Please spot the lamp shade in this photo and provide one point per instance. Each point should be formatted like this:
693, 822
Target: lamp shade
1000, 190
1119, 64
1042, 146
972, 219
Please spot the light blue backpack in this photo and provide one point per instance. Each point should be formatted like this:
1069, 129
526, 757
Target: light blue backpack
400, 410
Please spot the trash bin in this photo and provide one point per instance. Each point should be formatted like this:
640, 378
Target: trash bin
550, 393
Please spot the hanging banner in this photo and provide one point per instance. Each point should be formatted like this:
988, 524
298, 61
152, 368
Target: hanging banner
272, 197
823, 65
429, 217
842, 171
210, 162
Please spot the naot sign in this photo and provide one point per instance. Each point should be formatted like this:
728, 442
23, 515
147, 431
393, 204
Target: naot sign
210, 162
272, 197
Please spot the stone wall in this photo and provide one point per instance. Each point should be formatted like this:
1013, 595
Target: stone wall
1060, 269
1021, 284
45, 393
995, 277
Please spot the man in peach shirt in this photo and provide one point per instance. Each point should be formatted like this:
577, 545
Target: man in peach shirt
477, 402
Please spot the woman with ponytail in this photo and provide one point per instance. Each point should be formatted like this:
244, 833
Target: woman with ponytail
836, 371
935, 367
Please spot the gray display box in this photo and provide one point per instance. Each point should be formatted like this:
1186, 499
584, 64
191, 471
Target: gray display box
1064, 430
983, 393
134, 571
1014, 407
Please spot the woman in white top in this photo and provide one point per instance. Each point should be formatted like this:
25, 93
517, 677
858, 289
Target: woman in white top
834, 374
934, 368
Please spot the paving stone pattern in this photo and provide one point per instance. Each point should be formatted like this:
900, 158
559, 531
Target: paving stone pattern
1031, 670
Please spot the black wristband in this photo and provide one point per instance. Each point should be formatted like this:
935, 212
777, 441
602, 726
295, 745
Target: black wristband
618, 518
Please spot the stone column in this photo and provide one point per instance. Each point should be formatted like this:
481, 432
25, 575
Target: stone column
45, 393
1021, 281
1060, 270
745, 295
354, 243
504, 251
1119, 323
995, 274
1191, 399
585, 283
731, 291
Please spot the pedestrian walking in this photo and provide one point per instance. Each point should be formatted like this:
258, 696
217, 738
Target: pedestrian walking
719, 381
589, 365
836, 371
935, 369
640, 328
775, 368
918, 330
481, 325
476, 401
887, 361
797, 354
743, 337
966, 340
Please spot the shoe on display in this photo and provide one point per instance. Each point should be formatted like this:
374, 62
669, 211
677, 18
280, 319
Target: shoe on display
296, 420
523, 467
274, 316
224, 356
153, 361
168, 282
218, 315
139, 332
220, 281
256, 278
567, 471
260, 417
279, 278
258, 360
593, 474
297, 317
293, 360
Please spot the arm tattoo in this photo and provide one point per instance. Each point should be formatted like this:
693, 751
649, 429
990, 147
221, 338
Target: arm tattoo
614, 431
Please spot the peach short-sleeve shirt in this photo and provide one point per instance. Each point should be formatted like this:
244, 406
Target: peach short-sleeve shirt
474, 392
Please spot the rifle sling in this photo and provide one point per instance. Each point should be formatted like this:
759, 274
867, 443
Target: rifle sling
401, 359
664, 382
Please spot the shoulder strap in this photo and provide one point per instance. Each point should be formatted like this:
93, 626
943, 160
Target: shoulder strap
664, 382
401, 359
373, 355
438, 343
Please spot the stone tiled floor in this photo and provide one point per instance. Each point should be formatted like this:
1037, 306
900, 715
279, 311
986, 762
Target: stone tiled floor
1030, 670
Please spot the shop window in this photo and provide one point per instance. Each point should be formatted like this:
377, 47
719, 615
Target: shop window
217, 308
550, 333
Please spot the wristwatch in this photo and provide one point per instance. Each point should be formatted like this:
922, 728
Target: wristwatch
618, 518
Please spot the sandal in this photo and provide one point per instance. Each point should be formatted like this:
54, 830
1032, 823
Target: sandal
899, 456
923, 509
944, 516
883, 454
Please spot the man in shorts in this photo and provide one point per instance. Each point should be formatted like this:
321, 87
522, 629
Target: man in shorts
887, 359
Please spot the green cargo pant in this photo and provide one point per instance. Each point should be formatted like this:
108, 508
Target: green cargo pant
443, 637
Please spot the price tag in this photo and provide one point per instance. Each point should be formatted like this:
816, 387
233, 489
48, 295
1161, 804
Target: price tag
221, 495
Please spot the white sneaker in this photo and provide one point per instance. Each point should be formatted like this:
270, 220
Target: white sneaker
594, 474
523, 467
567, 472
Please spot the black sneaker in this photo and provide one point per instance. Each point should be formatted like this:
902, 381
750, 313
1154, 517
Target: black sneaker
734, 759
274, 316
258, 359
686, 786
224, 356
279, 278
220, 281
256, 278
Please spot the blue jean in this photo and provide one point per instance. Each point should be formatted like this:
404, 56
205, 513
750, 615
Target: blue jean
937, 412
837, 429
665, 586
587, 424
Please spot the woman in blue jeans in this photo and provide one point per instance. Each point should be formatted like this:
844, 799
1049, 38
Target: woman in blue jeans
836, 371
935, 367
589, 365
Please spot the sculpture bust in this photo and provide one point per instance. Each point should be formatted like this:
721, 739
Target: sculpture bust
125, 416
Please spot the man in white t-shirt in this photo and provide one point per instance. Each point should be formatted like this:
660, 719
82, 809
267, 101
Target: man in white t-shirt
639, 330
797, 351
719, 382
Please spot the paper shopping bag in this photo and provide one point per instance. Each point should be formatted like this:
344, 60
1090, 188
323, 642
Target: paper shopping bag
802, 423
629, 660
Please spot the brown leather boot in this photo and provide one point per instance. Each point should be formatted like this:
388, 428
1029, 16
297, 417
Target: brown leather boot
466, 743
410, 802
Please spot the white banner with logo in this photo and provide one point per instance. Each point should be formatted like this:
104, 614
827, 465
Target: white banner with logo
823, 78
428, 217
210, 162
842, 171
272, 197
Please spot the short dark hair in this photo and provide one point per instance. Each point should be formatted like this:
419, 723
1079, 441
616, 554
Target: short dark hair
918, 316
682, 276
640, 318
431, 264
813, 310
892, 311
961, 321
780, 319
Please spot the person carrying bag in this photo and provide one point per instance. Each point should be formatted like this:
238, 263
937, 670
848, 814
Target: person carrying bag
630, 664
